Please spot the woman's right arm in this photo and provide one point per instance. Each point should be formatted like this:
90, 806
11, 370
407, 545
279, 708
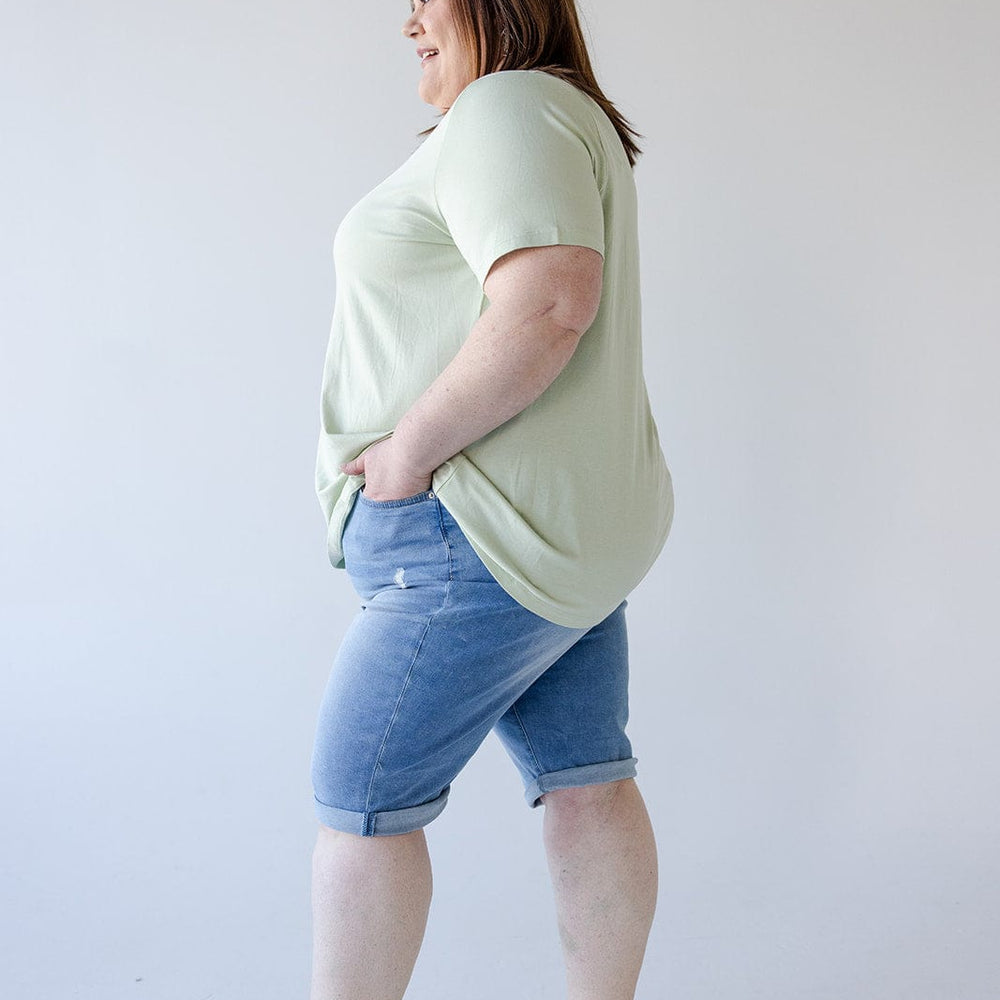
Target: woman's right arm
542, 301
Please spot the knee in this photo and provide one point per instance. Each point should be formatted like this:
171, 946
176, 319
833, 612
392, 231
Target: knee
328, 839
584, 805
338, 852
334, 849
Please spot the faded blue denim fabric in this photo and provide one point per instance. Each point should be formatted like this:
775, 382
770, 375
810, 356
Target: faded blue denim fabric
438, 656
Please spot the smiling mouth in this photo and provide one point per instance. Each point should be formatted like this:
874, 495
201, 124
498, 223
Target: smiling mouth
428, 55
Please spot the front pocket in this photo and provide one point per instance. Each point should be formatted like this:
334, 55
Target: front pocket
397, 545
401, 502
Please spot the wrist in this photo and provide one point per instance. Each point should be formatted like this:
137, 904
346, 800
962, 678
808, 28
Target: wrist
405, 457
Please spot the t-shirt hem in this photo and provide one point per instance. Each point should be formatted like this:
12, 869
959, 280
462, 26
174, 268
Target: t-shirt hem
530, 600
526, 596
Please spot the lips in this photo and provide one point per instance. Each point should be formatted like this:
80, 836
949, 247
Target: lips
425, 54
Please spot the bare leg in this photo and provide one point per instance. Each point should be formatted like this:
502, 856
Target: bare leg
602, 858
370, 898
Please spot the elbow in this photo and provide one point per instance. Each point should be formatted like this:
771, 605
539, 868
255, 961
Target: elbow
561, 334
575, 313
577, 297
561, 283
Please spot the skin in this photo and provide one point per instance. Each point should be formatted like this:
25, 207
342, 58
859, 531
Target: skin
371, 895
431, 25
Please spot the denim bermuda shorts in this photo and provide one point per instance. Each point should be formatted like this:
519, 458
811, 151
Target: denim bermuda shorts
438, 656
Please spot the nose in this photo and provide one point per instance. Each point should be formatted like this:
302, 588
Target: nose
411, 25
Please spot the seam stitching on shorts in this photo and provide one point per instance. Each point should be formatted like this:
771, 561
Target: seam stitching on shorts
527, 739
447, 545
409, 672
395, 714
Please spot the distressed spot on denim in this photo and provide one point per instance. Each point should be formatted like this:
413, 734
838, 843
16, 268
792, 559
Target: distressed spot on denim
398, 578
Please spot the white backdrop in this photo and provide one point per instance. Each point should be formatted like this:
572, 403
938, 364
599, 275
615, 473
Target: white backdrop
815, 654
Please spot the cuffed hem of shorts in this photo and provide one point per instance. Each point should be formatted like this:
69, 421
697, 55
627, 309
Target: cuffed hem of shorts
575, 777
381, 824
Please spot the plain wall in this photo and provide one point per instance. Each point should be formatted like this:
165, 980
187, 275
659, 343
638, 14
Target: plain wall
814, 657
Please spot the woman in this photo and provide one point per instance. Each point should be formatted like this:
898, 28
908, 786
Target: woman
493, 483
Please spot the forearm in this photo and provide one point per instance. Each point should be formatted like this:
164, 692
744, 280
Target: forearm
504, 365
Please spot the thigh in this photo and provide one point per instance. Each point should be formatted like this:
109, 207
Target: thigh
436, 655
573, 717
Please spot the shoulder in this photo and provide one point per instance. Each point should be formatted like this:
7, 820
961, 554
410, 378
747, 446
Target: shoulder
526, 109
517, 91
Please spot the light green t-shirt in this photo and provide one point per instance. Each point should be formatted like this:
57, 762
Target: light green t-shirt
568, 503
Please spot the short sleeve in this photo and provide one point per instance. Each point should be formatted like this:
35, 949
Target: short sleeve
516, 168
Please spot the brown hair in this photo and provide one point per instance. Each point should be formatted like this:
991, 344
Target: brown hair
535, 34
